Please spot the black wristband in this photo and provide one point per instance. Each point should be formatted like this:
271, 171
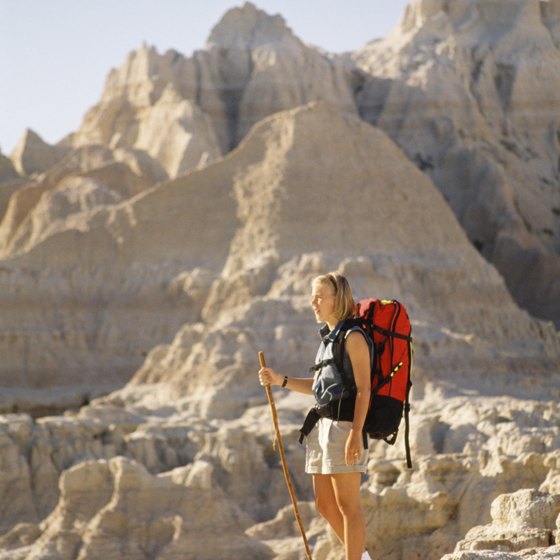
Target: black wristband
285, 382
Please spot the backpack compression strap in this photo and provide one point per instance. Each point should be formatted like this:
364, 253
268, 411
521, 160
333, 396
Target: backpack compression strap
391, 333
322, 364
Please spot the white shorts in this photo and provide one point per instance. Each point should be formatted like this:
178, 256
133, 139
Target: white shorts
326, 449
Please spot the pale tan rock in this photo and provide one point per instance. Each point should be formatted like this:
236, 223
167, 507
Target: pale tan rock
526, 508
277, 227
272, 69
551, 484
504, 539
429, 502
20, 537
110, 270
127, 172
103, 504
64, 207
92, 157
111, 174
548, 553
253, 66
550, 13
17, 503
178, 134
262, 303
283, 535
142, 108
7, 170
33, 216
451, 489
216, 461
520, 521
33, 155
470, 91
7, 190
557, 531
130, 235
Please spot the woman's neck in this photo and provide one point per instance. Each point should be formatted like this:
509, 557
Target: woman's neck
331, 323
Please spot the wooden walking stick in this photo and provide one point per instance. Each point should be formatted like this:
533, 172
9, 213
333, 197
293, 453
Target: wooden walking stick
283, 460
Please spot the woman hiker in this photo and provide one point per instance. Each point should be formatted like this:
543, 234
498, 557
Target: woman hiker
335, 454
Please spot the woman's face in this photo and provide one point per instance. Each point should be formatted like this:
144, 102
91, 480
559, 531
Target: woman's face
323, 302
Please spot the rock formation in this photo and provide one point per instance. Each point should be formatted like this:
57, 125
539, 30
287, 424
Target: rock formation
173, 106
239, 231
34, 155
7, 170
146, 264
278, 232
83, 180
471, 92
525, 519
454, 86
10, 182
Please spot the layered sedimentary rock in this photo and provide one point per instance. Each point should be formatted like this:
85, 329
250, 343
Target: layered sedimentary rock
7, 170
265, 68
456, 86
85, 179
391, 245
242, 242
148, 254
462, 475
526, 519
186, 111
470, 91
34, 155
523, 525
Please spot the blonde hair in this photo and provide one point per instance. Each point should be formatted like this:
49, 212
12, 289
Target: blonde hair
345, 306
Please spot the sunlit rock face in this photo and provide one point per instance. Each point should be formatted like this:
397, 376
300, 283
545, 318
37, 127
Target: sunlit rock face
187, 111
471, 92
205, 249
34, 155
149, 257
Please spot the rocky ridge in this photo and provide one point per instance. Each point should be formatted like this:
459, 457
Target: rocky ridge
137, 253
239, 78
470, 91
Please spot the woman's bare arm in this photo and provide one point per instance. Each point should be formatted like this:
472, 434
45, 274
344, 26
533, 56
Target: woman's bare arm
268, 376
358, 351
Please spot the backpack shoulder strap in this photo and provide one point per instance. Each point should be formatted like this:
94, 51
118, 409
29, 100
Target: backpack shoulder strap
327, 338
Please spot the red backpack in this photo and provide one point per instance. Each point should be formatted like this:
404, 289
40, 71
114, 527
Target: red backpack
388, 325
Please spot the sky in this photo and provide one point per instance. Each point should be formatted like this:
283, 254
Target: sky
56, 54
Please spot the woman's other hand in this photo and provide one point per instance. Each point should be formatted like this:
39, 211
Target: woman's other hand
354, 447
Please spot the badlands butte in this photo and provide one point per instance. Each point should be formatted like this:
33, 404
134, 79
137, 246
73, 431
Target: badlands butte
148, 256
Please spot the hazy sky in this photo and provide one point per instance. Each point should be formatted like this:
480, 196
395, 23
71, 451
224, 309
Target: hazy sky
55, 54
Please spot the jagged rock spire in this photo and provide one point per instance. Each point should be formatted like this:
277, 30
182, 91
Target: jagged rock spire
248, 27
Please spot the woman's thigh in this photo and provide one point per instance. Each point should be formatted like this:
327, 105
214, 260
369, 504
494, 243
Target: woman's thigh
339, 490
346, 490
324, 490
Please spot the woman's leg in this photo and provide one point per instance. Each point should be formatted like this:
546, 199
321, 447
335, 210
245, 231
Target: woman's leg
326, 503
337, 497
346, 487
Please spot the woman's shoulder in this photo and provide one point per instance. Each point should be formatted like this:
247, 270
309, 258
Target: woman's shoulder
356, 337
